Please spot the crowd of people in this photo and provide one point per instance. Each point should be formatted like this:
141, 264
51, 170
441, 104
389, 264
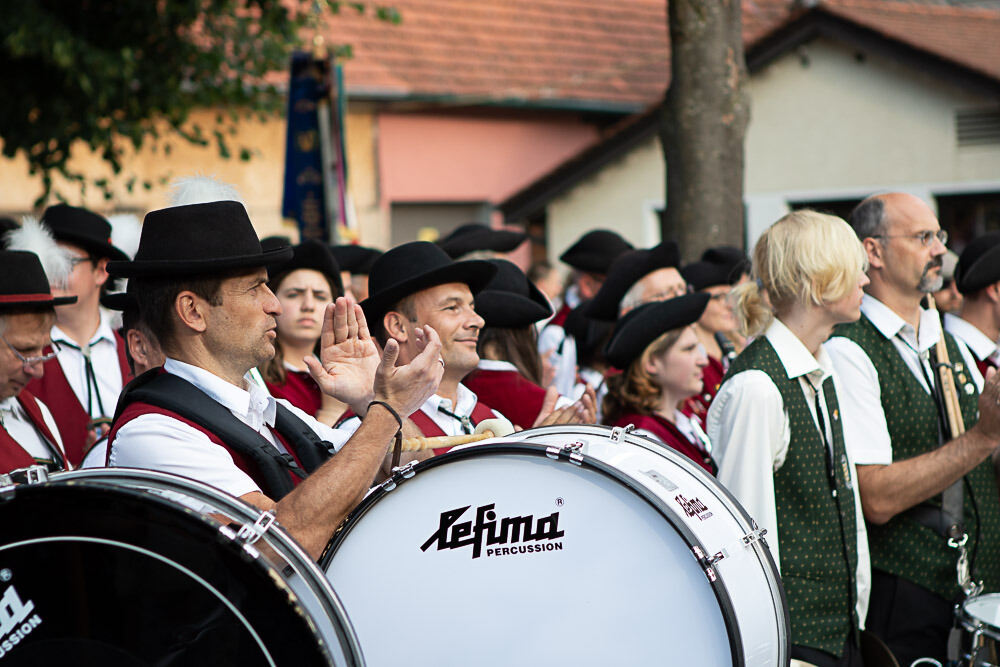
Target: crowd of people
816, 382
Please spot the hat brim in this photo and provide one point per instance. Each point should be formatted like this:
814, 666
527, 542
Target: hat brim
92, 246
118, 301
9, 302
496, 240
169, 268
474, 273
640, 327
984, 272
509, 310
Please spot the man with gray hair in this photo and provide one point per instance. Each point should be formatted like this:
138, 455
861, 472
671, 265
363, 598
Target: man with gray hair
930, 498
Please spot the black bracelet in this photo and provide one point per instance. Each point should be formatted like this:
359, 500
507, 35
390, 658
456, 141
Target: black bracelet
398, 446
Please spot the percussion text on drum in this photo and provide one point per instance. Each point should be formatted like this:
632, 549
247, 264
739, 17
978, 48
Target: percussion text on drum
693, 507
15, 623
511, 530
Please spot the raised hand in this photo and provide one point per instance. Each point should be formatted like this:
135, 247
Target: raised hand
348, 356
407, 387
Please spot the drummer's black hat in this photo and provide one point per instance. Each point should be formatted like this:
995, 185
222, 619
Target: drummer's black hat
626, 271
355, 259
415, 266
510, 299
475, 236
310, 254
979, 264
595, 251
197, 240
23, 284
640, 327
82, 228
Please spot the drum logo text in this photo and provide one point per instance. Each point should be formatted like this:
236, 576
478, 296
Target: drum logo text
510, 530
693, 508
16, 620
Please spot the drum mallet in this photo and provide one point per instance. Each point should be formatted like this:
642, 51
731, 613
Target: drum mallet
488, 428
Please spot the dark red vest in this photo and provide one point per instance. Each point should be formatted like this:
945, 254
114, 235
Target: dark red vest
135, 410
559, 319
429, 428
12, 455
71, 417
300, 390
671, 436
711, 379
517, 398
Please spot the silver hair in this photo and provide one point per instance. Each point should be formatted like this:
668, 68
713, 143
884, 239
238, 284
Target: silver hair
868, 218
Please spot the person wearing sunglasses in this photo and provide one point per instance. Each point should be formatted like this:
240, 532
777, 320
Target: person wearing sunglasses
929, 497
28, 433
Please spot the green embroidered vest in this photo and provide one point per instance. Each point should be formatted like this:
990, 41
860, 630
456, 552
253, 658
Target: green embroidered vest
903, 546
817, 531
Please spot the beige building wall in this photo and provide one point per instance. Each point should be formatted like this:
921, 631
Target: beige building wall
260, 180
824, 125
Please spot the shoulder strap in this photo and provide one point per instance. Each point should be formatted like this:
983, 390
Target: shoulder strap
34, 412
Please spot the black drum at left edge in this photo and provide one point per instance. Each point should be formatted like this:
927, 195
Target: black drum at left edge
122, 577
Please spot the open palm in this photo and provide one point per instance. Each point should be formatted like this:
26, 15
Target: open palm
348, 355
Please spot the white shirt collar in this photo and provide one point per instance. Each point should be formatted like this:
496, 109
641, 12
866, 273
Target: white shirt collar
11, 405
495, 365
253, 403
466, 402
889, 324
976, 340
795, 357
104, 332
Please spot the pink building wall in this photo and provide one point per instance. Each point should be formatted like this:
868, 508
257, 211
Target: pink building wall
442, 158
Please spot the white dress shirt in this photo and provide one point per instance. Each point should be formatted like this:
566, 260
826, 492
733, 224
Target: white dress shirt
158, 442
747, 424
19, 426
463, 408
865, 428
972, 341
103, 351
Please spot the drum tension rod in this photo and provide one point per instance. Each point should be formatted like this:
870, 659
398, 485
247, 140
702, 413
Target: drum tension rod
572, 452
399, 473
618, 432
251, 532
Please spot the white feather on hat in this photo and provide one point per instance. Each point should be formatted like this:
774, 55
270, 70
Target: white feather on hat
202, 190
125, 232
33, 236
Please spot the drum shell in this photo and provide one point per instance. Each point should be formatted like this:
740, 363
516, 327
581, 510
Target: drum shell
979, 620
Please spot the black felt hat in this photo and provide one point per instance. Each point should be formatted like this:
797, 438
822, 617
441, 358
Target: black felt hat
590, 334
510, 299
23, 283
640, 327
627, 270
734, 259
979, 264
355, 259
82, 228
474, 236
6, 225
700, 275
595, 251
197, 240
310, 254
414, 266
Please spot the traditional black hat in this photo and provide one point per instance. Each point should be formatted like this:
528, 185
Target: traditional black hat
23, 283
83, 228
510, 299
718, 271
414, 266
197, 240
735, 259
626, 271
979, 264
310, 254
6, 225
355, 259
595, 251
640, 327
474, 236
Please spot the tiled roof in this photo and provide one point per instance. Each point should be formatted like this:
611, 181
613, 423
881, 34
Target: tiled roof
593, 53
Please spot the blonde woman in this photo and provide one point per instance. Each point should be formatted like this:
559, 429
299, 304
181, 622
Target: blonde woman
776, 427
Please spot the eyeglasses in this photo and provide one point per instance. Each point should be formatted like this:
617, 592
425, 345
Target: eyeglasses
31, 361
926, 238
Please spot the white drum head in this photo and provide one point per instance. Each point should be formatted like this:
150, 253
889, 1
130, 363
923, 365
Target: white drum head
437, 571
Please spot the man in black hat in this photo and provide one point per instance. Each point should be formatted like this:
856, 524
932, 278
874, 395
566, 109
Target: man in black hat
200, 281
977, 326
638, 277
83, 381
474, 237
590, 258
28, 433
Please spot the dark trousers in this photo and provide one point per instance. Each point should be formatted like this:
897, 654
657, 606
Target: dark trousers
911, 620
850, 658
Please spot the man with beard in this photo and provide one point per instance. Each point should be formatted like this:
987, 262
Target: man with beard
929, 499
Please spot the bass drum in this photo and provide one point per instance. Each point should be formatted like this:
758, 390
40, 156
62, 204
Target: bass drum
122, 568
562, 545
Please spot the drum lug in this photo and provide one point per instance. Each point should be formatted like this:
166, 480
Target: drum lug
573, 452
251, 532
618, 432
398, 473
705, 563
754, 536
